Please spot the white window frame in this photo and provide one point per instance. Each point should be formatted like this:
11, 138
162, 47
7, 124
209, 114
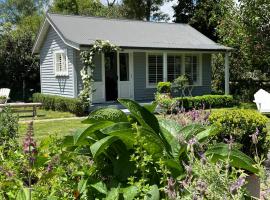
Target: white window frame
62, 73
147, 68
183, 66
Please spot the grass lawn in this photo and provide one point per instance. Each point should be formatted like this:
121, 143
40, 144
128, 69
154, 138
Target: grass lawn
59, 128
44, 114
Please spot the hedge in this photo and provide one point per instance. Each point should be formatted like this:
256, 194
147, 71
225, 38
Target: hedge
164, 87
205, 101
59, 103
241, 124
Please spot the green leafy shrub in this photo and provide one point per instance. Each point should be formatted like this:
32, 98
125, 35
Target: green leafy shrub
166, 103
241, 124
65, 104
164, 87
205, 101
8, 126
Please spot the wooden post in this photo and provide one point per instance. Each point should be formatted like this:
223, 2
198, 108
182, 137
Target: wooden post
227, 74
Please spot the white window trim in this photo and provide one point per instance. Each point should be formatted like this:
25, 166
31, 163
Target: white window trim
182, 54
57, 74
147, 68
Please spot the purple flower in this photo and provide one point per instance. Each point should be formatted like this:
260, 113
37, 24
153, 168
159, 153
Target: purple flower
254, 136
29, 144
170, 188
229, 142
237, 185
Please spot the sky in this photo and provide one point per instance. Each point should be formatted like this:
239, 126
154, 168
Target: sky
166, 8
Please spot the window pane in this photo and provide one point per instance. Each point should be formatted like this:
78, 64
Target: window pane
174, 67
155, 69
124, 66
192, 68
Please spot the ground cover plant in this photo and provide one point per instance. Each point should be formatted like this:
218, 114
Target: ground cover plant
120, 156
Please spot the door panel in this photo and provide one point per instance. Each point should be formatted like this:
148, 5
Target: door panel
125, 88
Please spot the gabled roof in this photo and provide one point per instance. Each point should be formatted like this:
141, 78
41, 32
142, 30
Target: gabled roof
78, 31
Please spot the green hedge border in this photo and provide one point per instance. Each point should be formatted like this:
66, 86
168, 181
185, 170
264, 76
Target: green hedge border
59, 103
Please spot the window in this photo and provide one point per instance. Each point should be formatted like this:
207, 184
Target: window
173, 67
155, 69
192, 68
124, 66
60, 63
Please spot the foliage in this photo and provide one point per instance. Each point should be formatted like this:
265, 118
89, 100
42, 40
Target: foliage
87, 58
8, 126
205, 102
242, 126
141, 152
66, 104
164, 87
87, 7
19, 23
184, 11
145, 10
181, 83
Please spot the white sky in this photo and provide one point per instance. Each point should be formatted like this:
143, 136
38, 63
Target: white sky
166, 8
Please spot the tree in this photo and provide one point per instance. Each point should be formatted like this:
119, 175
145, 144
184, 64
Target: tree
145, 9
184, 11
88, 8
204, 15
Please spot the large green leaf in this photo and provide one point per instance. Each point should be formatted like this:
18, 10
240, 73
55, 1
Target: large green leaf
175, 167
81, 134
130, 192
151, 107
106, 114
205, 134
100, 186
123, 131
237, 158
113, 194
172, 142
153, 193
143, 116
171, 126
152, 143
100, 146
191, 130
23, 194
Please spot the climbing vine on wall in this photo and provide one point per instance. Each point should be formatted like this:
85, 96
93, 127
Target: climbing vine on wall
87, 57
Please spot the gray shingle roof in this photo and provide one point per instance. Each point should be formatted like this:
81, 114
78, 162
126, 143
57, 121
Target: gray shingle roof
82, 31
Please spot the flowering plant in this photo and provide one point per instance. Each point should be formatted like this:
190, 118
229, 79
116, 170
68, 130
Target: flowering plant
87, 57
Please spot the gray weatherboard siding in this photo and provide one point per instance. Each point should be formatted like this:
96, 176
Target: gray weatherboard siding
51, 84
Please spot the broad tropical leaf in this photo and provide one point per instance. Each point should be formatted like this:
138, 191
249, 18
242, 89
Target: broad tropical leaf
152, 142
208, 132
23, 194
175, 167
153, 193
100, 186
151, 107
171, 126
237, 158
144, 116
130, 192
81, 134
191, 130
113, 194
123, 131
100, 146
106, 114
172, 142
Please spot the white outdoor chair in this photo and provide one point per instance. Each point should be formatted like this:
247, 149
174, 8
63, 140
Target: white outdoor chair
5, 92
262, 100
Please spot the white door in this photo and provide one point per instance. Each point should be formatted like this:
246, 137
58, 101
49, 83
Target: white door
99, 86
125, 75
